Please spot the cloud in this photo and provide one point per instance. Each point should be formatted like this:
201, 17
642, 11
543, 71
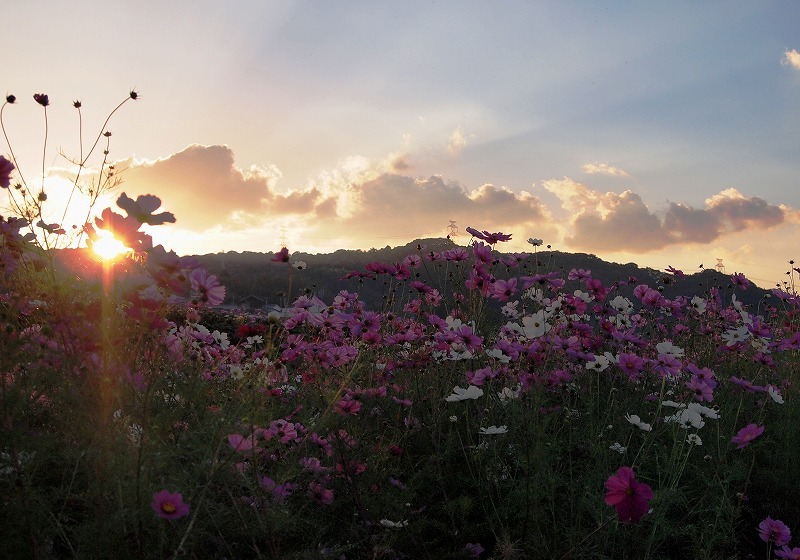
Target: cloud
598, 168
791, 58
623, 222
457, 141
203, 187
361, 201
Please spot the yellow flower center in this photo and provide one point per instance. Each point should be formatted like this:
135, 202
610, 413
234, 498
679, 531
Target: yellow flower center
168, 507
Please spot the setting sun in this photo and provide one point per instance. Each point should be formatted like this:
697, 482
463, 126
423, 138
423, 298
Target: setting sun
108, 247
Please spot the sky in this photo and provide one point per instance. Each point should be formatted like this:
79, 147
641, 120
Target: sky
665, 134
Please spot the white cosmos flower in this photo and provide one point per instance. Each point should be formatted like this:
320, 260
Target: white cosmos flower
667, 347
774, 394
394, 524
691, 415
698, 304
618, 447
733, 336
694, 439
536, 242
621, 304
636, 421
470, 393
535, 325
600, 363
493, 430
508, 393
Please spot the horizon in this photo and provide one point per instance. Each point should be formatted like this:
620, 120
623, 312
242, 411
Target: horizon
658, 135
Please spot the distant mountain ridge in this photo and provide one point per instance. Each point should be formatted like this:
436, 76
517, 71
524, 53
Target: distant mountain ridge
254, 275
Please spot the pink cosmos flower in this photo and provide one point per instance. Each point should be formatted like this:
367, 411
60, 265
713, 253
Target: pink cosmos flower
281, 256
774, 531
211, 292
6, 167
788, 553
628, 496
168, 505
320, 494
490, 238
747, 434
740, 280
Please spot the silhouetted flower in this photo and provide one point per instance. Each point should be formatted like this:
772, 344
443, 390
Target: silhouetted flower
281, 256
41, 99
11, 98
142, 209
6, 168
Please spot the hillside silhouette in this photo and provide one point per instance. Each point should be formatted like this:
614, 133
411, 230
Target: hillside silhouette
253, 278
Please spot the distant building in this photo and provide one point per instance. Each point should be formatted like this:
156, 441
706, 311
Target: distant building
252, 302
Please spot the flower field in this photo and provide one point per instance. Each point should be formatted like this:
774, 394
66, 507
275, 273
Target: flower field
493, 408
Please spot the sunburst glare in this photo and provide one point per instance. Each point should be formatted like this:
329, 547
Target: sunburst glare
108, 247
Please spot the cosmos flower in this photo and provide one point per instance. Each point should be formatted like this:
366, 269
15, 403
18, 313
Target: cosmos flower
169, 505
629, 497
788, 553
281, 256
6, 167
393, 524
493, 430
470, 393
142, 209
747, 434
210, 291
636, 421
490, 238
774, 531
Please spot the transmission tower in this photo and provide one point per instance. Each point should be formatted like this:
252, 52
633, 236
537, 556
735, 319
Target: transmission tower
284, 242
452, 229
719, 266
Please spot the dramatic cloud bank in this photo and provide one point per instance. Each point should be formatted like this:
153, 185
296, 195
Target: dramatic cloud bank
623, 222
362, 200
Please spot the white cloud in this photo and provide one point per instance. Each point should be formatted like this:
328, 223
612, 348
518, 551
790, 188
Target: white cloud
791, 58
599, 168
457, 141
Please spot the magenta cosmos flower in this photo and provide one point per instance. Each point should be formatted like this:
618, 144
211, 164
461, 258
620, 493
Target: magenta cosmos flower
490, 238
747, 434
629, 497
774, 531
169, 505
281, 256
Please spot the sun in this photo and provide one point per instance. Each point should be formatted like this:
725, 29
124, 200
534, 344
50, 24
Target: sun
108, 247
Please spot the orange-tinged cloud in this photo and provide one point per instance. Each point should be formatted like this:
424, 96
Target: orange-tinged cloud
623, 222
360, 201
